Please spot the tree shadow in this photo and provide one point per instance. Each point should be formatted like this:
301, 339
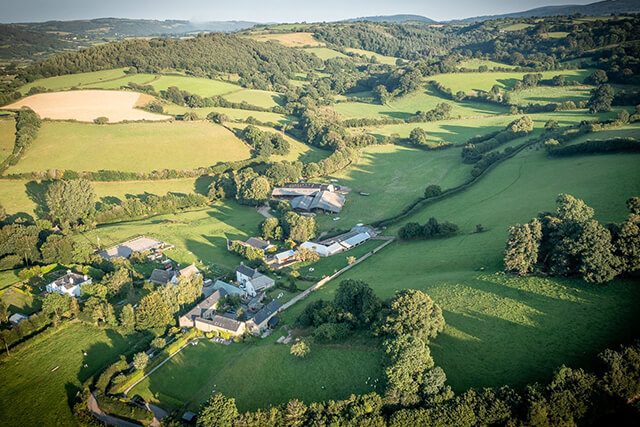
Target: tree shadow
37, 192
202, 183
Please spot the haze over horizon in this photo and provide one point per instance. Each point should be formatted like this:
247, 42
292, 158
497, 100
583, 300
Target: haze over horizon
259, 11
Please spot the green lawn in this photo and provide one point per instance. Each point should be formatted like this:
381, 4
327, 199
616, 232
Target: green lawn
421, 100
503, 330
260, 375
7, 136
8, 278
33, 395
547, 94
19, 300
468, 82
130, 147
197, 85
77, 80
199, 235
141, 79
261, 98
325, 53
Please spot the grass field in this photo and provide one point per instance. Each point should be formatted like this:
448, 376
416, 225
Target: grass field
130, 147
233, 113
629, 131
325, 53
259, 375
33, 395
468, 82
547, 94
7, 136
476, 63
289, 39
422, 100
76, 80
19, 300
261, 98
503, 330
198, 235
141, 79
197, 85
383, 59
393, 176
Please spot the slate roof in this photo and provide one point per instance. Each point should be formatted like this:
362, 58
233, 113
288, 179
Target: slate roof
69, 280
266, 311
247, 271
161, 277
222, 323
262, 282
229, 288
206, 304
328, 201
257, 243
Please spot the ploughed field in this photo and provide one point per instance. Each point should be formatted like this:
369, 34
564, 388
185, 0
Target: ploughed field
87, 105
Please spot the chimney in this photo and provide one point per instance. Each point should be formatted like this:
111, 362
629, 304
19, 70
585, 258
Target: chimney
86, 277
71, 280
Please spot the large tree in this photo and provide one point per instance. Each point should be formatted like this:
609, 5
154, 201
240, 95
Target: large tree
521, 254
58, 248
70, 201
357, 298
152, 313
407, 359
414, 313
219, 411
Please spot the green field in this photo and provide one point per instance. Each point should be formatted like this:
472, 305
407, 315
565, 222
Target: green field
233, 113
498, 328
468, 82
7, 136
19, 300
393, 176
383, 59
198, 235
260, 374
141, 79
547, 94
33, 395
130, 147
77, 80
476, 63
628, 131
422, 100
325, 53
261, 98
197, 85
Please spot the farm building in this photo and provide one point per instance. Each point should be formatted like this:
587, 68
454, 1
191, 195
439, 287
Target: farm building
310, 196
69, 284
139, 244
205, 309
342, 242
259, 323
229, 288
16, 318
163, 277
283, 259
252, 280
221, 324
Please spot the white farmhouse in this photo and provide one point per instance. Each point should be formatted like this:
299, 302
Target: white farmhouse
253, 281
69, 284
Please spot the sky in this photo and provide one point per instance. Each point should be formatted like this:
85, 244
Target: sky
259, 10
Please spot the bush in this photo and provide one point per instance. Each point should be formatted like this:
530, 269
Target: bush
102, 120
119, 408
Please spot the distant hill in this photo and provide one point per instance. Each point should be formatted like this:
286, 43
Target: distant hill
601, 8
114, 27
392, 18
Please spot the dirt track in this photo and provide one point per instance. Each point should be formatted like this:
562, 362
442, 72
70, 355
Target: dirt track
86, 105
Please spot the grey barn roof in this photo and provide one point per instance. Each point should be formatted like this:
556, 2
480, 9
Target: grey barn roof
161, 276
257, 243
206, 304
266, 311
222, 323
247, 271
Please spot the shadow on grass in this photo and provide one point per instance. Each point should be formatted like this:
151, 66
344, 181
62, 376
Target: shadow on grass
37, 192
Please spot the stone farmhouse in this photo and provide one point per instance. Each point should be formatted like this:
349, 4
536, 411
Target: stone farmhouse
203, 317
69, 284
260, 322
163, 277
252, 281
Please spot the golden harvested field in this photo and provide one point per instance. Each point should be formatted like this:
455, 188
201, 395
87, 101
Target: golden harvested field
86, 105
289, 39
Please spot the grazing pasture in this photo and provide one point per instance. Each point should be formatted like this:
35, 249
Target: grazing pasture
7, 136
421, 100
198, 235
548, 94
289, 39
325, 53
474, 64
468, 82
383, 59
131, 147
86, 105
497, 326
261, 98
77, 80
232, 113
33, 394
328, 372
197, 85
